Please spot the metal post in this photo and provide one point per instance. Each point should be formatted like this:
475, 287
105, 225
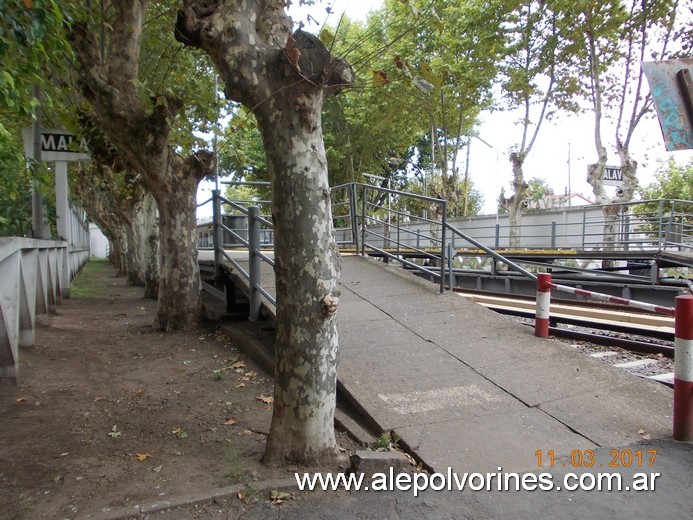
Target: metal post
543, 309
63, 222
217, 233
399, 225
497, 236
442, 247
683, 369
661, 223
354, 216
364, 218
451, 276
553, 234
255, 262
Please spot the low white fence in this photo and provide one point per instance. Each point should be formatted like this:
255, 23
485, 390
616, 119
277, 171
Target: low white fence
34, 277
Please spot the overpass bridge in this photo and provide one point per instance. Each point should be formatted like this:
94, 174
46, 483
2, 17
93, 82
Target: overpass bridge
461, 386
641, 250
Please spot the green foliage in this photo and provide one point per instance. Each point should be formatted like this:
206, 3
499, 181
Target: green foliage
537, 189
241, 152
673, 181
32, 48
15, 189
31, 38
456, 204
168, 71
234, 462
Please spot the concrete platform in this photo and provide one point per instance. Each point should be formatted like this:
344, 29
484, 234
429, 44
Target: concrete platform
473, 390
470, 389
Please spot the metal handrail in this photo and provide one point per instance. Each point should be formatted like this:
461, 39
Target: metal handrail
358, 194
400, 233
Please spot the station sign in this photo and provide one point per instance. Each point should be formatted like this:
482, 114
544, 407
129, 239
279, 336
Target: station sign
613, 176
56, 145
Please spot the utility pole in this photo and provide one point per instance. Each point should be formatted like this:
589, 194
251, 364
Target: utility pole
570, 191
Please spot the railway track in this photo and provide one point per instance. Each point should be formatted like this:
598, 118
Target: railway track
638, 342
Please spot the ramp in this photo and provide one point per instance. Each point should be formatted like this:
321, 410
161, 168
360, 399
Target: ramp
466, 388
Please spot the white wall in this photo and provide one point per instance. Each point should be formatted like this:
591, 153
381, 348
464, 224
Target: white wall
98, 242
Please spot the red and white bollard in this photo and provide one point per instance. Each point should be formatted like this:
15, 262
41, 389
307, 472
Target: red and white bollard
683, 369
541, 320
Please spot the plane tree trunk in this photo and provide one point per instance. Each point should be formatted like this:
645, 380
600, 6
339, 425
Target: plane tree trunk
140, 131
283, 78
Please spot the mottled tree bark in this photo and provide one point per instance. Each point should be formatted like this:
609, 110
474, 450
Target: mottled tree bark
283, 78
517, 199
141, 133
150, 248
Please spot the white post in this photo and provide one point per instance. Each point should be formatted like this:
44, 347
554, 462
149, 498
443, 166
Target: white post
63, 218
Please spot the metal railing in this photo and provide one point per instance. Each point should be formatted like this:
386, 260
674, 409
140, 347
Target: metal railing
253, 236
374, 226
413, 231
652, 226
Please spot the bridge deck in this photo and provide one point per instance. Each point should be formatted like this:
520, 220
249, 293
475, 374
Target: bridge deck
469, 389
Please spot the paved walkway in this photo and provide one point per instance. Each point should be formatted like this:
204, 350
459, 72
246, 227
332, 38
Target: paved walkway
470, 389
467, 388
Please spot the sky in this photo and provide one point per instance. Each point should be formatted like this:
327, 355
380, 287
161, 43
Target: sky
566, 137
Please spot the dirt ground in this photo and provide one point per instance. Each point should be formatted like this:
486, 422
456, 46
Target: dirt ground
109, 412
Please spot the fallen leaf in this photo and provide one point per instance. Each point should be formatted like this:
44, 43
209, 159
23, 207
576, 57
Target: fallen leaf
278, 497
157, 469
21, 400
178, 432
251, 373
114, 432
265, 399
229, 422
241, 385
142, 456
241, 495
238, 364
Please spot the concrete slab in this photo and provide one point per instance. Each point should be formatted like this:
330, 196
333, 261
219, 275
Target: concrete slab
412, 360
560, 374
397, 403
469, 389
354, 308
355, 335
483, 444
408, 306
620, 415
